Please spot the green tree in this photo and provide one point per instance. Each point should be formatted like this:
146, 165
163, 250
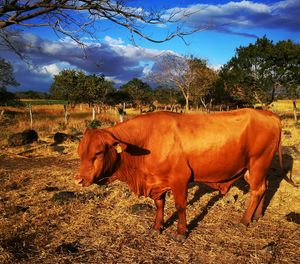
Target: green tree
32, 95
69, 85
286, 67
256, 72
7, 79
6, 75
97, 88
139, 91
201, 89
166, 95
117, 97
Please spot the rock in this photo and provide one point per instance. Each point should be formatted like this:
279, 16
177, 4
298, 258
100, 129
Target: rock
63, 196
50, 189
141, 208
26, 137
67, 248
61, 137
293, 217
21, 209
13, 186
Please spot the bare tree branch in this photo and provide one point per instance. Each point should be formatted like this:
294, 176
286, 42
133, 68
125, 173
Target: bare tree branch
61, 16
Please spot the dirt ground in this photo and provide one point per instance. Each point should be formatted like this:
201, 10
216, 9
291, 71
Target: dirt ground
46, 218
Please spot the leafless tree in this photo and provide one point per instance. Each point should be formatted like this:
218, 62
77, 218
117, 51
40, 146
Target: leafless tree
74, 18
172, 70
190, 75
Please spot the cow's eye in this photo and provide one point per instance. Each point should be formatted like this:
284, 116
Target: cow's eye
100, 153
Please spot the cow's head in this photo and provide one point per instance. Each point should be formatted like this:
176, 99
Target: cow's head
99, 153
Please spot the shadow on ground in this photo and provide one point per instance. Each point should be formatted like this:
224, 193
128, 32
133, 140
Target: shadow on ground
275, 175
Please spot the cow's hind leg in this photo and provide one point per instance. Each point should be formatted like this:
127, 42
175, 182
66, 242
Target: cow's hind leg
259, 210
257, 181
159, 217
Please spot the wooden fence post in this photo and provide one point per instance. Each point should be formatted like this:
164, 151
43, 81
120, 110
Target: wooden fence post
30, 114
65, 114
93, 113
295, 111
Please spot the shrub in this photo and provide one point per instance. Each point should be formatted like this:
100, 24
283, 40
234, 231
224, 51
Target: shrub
93, 124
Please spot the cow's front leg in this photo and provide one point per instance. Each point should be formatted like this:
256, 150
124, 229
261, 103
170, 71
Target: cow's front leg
159, 217
180, 197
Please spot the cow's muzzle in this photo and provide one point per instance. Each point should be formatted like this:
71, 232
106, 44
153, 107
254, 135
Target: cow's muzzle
79, 180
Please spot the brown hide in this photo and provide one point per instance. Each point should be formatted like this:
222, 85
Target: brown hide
165, 151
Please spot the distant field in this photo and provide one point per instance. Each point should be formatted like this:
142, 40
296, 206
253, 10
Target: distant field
284, 105
279, 105
42, 101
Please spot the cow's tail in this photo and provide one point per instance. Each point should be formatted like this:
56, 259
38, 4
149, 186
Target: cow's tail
283, 173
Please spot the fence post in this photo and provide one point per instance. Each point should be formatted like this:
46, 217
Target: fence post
30, 114
93, 113
295, 111
66, 114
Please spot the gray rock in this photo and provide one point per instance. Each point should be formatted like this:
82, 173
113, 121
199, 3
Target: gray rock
26, 137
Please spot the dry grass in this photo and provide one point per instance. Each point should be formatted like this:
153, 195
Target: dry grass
49, 119
46, 218
284, 105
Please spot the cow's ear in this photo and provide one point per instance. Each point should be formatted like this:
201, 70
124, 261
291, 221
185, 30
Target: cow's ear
119, 146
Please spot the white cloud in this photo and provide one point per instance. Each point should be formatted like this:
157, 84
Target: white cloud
216, 67
51, 69
234, 16
111, 41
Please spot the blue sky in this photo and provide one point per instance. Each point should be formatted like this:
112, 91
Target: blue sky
229, 24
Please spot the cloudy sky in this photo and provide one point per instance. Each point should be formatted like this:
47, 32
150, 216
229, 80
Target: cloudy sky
227, 24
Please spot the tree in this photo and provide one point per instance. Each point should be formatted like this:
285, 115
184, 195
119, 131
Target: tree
6, 75
117, 97
7, 79
69, 85
201, 87
76, 18
32, 95
139, 91
190, 75
256, 72
76, 87
173, 71
166, 95
286, 66
97, 88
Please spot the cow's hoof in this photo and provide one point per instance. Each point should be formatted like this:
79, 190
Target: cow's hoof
179, 237
257, 217
154, 232
244, 222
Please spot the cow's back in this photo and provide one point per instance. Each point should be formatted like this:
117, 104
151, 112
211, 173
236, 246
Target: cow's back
215, 146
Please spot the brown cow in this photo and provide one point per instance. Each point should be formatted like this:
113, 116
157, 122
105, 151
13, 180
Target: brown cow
163, 151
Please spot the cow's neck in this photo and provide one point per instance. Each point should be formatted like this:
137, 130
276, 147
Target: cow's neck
130, 132
130, 170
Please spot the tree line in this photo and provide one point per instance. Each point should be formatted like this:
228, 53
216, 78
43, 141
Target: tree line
258, 73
